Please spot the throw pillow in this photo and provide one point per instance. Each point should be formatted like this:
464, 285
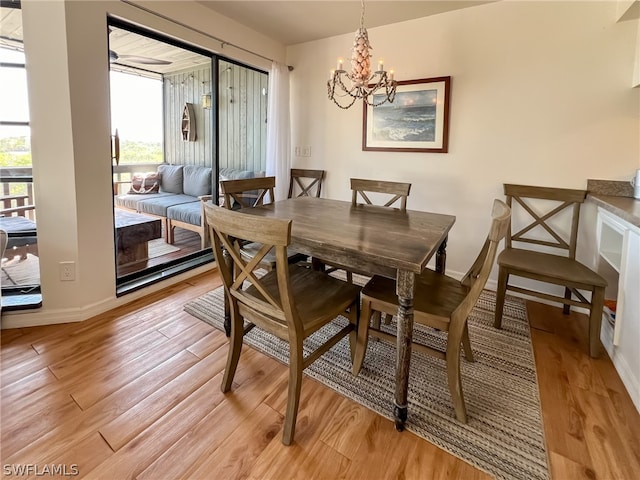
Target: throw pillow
143, 183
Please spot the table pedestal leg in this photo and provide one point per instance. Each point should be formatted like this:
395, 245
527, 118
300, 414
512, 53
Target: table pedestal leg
405, 290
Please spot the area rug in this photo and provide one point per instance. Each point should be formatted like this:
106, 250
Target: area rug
159, 247
504, 434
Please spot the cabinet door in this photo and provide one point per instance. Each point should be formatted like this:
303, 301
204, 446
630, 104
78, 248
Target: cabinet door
627, 333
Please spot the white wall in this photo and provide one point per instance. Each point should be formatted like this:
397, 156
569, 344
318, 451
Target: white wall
67, 69
541, 94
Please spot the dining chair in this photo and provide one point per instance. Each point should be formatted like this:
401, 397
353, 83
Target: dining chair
291, 302
441, 302
549, 220
361, 189
249, 193
305, 183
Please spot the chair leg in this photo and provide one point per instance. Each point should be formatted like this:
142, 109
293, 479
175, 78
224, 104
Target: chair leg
349, 277
204, 240
376, 319
363, 336
235, 347
466, 344
503, 278
354, 318
293, 398
566, 308
595, 321
454, 379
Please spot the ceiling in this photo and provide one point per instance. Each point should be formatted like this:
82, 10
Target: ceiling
289, 22
292, 22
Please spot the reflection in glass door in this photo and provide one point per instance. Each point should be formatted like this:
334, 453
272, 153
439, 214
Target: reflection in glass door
160, 172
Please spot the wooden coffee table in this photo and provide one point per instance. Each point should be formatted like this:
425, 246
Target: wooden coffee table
133, 232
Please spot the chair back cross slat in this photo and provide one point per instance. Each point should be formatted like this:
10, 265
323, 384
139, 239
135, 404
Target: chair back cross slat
248, 192
565, 199
271, 237
305, 183
398, 190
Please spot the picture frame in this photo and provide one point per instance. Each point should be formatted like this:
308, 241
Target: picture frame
416, 121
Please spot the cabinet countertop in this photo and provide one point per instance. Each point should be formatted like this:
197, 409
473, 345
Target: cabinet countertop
627, 208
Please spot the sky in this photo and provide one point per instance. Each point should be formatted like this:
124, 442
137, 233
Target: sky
136, 102
136, 107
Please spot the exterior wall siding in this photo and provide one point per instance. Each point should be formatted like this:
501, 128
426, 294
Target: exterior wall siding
242, 118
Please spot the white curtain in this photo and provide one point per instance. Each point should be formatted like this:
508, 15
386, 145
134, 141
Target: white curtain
278, 129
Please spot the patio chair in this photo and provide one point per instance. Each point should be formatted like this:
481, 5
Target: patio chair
291, 302
21, 235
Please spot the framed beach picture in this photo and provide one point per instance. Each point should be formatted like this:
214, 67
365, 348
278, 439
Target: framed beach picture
416, 121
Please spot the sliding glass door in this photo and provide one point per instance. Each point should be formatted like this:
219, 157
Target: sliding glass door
181, 119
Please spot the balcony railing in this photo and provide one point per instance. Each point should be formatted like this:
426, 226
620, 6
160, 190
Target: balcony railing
16, 192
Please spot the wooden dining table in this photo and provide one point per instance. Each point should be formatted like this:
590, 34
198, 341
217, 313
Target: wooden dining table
376, 240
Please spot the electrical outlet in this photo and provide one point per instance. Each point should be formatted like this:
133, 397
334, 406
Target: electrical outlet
67, 271
304, 151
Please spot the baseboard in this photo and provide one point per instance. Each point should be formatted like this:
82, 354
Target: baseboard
625, 372
631, 383
42, 316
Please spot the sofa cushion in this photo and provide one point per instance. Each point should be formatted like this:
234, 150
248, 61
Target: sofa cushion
145, 183
131, 200
171, 178
235, 174
196, 180
186, 212
159, 205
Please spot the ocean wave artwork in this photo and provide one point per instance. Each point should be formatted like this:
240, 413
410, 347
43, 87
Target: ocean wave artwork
410, 118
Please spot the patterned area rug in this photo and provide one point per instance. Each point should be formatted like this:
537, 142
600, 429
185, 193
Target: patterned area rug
503, 436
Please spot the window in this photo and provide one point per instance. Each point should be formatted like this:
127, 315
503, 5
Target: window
20, 271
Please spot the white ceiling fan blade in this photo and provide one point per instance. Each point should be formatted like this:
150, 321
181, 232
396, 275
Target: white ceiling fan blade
144, 60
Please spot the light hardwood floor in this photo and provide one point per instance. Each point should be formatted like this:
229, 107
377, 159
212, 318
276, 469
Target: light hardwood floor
135, 393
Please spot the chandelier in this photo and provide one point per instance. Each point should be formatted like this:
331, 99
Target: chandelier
360, 82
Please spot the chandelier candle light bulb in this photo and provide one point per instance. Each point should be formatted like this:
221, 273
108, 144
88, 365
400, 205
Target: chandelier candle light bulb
360, 83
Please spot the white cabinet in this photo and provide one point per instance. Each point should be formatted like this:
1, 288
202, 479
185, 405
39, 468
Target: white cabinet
618, 245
